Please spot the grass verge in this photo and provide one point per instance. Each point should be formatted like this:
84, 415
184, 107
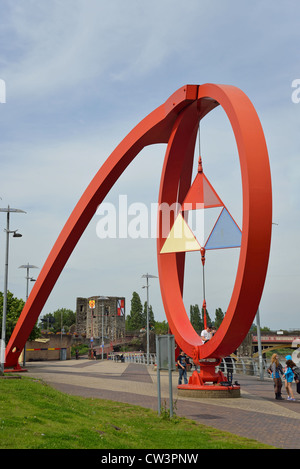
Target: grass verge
35, 416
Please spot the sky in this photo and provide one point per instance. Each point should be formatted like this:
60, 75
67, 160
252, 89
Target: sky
80, 74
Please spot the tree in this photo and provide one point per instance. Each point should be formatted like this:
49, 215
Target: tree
195, 318
161, 328
47, 322
65, 318
208, 319
134, 320
151, 316
60, 318
219, 316
13, 311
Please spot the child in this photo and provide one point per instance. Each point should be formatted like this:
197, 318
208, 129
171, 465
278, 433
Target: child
182, 366
289, 377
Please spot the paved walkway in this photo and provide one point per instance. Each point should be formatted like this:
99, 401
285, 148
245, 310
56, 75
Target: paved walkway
256, 414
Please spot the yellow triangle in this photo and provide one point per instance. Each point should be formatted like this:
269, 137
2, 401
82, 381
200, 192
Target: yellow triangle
180, 239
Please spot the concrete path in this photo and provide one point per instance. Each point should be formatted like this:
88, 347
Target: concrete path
256, 414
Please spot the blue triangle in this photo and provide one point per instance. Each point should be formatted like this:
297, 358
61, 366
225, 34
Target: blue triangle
225, 234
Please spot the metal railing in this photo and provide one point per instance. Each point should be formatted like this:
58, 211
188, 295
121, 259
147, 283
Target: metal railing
244, 365
136, 357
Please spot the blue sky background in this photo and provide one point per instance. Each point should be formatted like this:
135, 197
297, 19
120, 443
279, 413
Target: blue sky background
80, 74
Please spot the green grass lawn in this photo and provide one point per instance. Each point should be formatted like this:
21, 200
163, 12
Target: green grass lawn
35, 416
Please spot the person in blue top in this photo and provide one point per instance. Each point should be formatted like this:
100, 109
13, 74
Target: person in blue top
289, 377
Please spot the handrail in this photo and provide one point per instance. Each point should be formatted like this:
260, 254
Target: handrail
242, 365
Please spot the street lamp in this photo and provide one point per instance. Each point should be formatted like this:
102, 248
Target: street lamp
27, 267
102, 344
147, 276
260, 357
7, 210
92, 306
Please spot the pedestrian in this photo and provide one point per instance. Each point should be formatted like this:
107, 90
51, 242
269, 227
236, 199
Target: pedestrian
289, 377
206, 333
275, 369
181, 363
296, 371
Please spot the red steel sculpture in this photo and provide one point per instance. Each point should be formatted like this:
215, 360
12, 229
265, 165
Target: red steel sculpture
176, 123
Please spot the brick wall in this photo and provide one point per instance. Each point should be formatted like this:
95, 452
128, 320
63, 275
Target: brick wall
34, 352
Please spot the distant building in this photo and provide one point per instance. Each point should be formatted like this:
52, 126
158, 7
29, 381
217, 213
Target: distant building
94, 314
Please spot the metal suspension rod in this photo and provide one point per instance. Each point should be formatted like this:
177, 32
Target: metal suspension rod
202, 251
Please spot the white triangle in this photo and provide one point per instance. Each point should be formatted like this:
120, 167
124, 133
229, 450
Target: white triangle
202, 221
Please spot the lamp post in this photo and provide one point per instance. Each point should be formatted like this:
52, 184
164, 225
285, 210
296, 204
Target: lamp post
260, 357
102, 344
92, 306
147, 276
27, 267
7, 210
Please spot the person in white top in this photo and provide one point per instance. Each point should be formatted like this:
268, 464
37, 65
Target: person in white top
206, 333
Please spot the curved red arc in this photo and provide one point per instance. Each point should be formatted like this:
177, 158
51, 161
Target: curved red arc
155, 128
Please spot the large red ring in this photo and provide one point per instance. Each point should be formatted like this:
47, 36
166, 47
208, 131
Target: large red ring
256, 226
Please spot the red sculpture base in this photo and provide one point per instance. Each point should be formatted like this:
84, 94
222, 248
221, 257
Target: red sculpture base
208, 383
208, 391
15, 369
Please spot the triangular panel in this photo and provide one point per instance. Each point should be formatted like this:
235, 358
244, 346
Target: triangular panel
211, 198
180, 239
225, 234
202, 221
201, 195
194, 198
